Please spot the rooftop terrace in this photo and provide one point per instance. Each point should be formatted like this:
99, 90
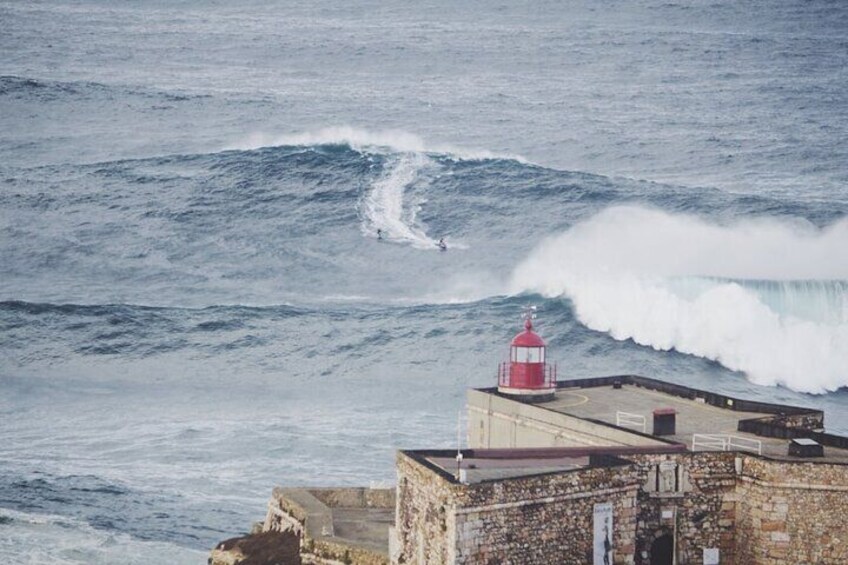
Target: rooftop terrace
720, 422
494, 464
338, 520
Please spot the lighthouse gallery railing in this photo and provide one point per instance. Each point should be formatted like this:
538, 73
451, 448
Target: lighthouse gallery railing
549, 382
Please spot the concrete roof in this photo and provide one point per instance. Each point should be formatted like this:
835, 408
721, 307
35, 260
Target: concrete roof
366, 527
479, 469
693, 417
357, 526
503, 463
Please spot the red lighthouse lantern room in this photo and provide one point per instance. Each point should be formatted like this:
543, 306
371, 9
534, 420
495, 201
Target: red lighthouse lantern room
527, 374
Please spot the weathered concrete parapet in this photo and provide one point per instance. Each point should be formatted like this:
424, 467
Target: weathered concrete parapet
299, 511
315, 516
355, 497
500, 422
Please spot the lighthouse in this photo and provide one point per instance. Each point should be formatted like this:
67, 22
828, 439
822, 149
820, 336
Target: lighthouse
527, 373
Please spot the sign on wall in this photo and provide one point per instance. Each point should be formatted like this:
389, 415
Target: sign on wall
711, 556
603, 534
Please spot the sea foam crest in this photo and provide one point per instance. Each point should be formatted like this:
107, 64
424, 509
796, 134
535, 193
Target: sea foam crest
760, 296
363, 140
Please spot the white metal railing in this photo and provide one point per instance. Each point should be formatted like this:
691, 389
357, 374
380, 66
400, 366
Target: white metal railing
706, 442
628, 420
745, 444
722, 442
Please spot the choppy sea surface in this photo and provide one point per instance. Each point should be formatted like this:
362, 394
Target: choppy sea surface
194, 305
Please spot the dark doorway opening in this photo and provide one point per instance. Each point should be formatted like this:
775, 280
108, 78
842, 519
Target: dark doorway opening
662, 550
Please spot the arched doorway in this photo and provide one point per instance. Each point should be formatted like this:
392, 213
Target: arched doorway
662, 550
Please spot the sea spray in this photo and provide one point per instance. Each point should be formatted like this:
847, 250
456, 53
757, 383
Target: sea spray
368, 141
761, 296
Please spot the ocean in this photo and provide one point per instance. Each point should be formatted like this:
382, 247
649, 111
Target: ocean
194, 303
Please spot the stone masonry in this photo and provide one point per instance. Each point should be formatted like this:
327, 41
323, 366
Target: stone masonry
792, 512
744, 508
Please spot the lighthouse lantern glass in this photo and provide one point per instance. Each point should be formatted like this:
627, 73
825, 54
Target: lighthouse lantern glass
528, 354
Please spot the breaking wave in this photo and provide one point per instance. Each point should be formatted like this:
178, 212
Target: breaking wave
362, 140
761, 296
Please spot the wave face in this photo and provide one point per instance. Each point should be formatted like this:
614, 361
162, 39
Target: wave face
363, 140
164, 310
762, 297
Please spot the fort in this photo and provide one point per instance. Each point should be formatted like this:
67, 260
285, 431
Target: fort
610, 470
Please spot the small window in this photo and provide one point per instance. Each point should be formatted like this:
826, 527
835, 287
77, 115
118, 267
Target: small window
539, 355
528, 354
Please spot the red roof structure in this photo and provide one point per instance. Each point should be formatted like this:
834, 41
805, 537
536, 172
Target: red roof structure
528, 338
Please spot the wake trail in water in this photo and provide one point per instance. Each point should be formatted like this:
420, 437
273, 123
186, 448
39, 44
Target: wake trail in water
384, 206
761, 296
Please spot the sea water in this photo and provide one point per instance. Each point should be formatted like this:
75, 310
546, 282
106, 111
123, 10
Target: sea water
194, 305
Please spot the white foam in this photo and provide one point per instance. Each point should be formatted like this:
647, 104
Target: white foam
57, 540
623, 270
385, 206
379, 141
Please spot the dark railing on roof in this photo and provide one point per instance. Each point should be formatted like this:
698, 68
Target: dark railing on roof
771, 426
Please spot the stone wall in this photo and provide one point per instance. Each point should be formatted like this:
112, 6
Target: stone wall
699, 514
425, 524
542, 519
792, 512
746, 508
545, 519
811, 421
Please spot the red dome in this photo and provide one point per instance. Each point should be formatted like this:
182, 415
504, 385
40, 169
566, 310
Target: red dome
528, 338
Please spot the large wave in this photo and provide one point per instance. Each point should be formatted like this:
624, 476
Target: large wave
761, 296
363, 140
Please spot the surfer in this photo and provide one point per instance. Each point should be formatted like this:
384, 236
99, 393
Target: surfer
379, 233
442, 245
